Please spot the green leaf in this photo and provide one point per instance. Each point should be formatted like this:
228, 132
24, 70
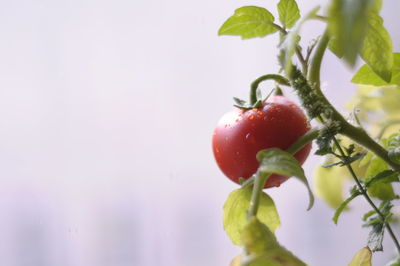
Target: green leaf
277, 161
386, 176
362, 258
289, 12
249, 22
385, 207
368, 214
291, 40
263, 249
343, 205
383, 191
367, 158
383, 103
375, 237
346, 160
372, 218
328, 185
347, 24
257, 238
235, 213
366, 76
335, 48
376, 50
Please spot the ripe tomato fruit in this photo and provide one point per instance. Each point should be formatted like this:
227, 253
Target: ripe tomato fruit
240, 134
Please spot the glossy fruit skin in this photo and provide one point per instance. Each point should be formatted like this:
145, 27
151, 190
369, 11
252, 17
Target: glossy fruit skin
240, 134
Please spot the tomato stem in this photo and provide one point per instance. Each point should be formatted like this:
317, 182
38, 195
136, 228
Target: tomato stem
254, 85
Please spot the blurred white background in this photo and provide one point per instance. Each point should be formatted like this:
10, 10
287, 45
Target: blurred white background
106, 112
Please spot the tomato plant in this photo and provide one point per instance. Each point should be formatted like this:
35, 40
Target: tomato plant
241, 134
266, 142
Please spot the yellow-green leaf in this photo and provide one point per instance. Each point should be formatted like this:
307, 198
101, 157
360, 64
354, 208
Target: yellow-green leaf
362, 258
365, 75
329, 185
277, 161
235, 213
257, 238
377, 47
249, 22
348, 25
289, 12
383, 191
263, 249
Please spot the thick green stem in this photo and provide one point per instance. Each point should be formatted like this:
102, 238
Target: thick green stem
303, 140
356, 134
315, 66
361, 137
259, 182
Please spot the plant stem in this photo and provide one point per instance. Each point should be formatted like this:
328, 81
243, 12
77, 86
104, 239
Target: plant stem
298, 48
259, 182
361, 137
254, 85
315, 66
303, 140
356, 134
364, 193
303, 61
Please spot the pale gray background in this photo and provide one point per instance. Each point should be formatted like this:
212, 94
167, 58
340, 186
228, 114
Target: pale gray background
106, 112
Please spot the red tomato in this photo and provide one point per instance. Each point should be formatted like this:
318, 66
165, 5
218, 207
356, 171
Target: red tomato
240, 134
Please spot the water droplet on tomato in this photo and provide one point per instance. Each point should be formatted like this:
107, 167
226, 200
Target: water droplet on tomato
251, 117
250, 138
